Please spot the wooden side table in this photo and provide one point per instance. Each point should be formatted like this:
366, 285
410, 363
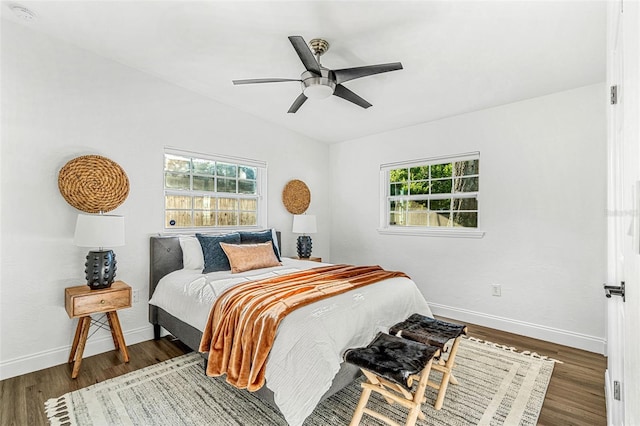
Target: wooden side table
312, 259
80, 302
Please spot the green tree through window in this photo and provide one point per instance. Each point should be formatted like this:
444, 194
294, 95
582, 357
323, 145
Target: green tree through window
434, 193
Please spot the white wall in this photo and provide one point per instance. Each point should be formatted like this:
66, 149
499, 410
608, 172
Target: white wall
542, 189
543, 203
60, 102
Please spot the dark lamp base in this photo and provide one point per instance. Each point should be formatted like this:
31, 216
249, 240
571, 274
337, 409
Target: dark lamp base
304, 246
100, 269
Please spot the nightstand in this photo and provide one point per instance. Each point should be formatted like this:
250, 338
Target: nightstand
81, 302
312, 259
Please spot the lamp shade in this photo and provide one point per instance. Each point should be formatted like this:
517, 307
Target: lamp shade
99, 230
304, 224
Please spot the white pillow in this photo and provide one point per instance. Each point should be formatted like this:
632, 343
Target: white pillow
192, 256
274, 236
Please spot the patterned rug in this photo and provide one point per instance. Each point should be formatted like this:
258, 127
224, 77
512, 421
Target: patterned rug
497, 386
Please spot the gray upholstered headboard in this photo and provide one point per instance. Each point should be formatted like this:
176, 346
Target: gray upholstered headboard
166, 257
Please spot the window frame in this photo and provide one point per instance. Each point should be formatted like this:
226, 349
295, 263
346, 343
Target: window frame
260, 197
385, 198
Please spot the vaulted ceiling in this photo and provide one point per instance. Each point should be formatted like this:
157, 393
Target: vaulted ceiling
458, 56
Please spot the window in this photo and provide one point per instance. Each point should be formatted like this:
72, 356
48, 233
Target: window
202, 191
436, 195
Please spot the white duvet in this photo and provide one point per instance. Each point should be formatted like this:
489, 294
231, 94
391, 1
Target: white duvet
307, 351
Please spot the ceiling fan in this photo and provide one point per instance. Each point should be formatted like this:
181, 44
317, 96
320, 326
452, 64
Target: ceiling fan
319, 82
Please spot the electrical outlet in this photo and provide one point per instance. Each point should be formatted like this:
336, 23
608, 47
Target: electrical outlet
496, 290
136, 296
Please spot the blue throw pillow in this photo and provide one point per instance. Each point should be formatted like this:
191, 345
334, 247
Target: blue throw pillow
257, 237
214, 257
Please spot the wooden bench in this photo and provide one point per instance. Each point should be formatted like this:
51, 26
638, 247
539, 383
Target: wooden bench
391, 364
437, 333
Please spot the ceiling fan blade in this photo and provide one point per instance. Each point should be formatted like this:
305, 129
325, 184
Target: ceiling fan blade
305, 54
344, 93
347, 74
264, 80
297, 103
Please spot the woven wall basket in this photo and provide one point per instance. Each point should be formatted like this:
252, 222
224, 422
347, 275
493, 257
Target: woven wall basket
93, 184
296, 196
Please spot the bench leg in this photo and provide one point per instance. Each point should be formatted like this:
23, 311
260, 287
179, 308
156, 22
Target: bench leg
446, 375
357, 415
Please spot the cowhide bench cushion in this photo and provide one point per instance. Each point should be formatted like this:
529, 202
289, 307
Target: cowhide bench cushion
427, 330
392, 357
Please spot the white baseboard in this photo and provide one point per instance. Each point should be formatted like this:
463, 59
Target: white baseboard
45, 359
549, 334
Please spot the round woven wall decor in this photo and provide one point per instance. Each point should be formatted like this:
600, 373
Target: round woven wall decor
296, 196
93, 184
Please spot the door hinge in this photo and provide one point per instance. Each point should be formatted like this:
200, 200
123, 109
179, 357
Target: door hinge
616, 390
614, 95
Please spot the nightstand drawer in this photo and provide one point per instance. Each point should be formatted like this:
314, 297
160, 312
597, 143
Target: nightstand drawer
83, 301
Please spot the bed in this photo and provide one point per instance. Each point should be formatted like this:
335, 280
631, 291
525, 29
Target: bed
305, 364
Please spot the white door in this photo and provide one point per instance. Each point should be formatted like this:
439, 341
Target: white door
623, 315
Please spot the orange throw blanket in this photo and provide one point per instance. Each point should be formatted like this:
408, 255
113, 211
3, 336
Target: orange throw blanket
243, 320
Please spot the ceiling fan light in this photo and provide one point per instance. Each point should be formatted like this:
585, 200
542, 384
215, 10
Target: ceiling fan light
318, 91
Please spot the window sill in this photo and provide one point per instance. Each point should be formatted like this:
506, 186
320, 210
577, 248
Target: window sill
422, 232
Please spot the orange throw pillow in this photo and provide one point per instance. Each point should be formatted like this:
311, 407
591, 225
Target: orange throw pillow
246, 257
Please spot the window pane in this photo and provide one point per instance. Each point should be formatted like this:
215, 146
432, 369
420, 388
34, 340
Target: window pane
227, 204
466, 219
466, 168
201, 183
398, 175
245, 172
204, 203
440, 204
204, 167
441, 186
417, 205
441, 170
174, 202
419, 173
417, 218
227, 219
398, 189
227, 185
173, 163
465, 204
176, 181
177, 219
204, 218
248, 219
397, 213
228, 170
466, 184
246, 186
249, 204
418, 188
439, 219
417, 214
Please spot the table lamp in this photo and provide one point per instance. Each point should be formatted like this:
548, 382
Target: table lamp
100, 231
304, 224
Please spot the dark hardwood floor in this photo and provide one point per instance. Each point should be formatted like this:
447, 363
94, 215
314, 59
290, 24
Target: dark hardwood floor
575, 395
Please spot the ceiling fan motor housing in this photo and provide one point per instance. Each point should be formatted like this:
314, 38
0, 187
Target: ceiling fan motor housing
318, 86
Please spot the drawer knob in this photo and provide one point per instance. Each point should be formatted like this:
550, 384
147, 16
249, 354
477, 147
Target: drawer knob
102, 302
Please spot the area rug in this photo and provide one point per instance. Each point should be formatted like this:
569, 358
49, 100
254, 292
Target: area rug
497, 386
